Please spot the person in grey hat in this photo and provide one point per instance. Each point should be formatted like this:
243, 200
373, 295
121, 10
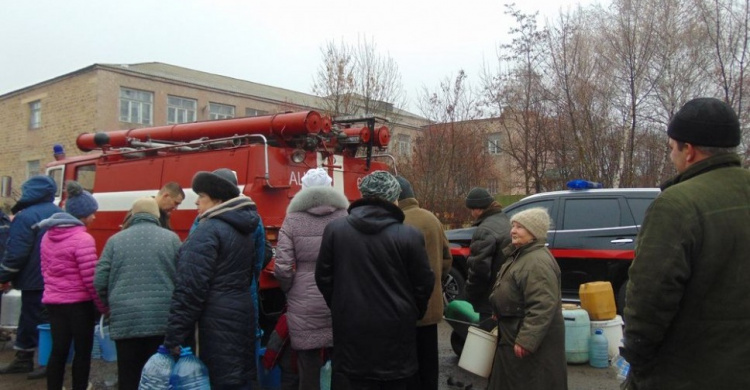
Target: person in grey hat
374, 274
486, 251
687, 312
215, 272
527, 302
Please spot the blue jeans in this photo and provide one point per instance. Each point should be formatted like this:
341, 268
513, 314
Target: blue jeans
33, 314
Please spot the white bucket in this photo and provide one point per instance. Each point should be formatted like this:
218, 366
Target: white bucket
612, 330
479, 352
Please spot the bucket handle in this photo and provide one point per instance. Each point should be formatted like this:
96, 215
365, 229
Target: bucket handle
101, 326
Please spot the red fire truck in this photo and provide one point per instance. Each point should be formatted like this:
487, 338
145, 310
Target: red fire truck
269, 154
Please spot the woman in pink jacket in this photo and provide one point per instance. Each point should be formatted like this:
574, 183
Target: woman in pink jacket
68, 257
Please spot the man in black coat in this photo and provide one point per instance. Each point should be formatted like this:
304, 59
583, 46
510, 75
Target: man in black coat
374, 274
486, 257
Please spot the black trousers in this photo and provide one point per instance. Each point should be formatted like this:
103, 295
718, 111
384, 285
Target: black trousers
132, 355
71, 322
427, 356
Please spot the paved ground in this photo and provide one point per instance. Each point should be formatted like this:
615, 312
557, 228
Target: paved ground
103, 374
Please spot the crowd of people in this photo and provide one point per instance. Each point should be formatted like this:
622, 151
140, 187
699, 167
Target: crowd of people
363, 279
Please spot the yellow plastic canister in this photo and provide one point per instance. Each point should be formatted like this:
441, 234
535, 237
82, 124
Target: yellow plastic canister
598, 299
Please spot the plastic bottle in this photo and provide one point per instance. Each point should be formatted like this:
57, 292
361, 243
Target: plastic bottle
156, 372
189, 373
325, 376
598, 350
622, 367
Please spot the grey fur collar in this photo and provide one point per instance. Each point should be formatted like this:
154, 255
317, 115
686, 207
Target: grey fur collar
311, 197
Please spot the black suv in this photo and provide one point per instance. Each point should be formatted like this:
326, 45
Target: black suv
592, 237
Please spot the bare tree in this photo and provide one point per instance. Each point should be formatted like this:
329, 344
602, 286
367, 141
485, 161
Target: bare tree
631, 31
582, 90
450, 156
357, 80
521, 97
726, 23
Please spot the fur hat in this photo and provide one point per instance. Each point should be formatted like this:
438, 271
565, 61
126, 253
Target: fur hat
479, 198
535, 220
706, 122
380, 184
316, 177
145, 205
406, 190
220, 184
80, 203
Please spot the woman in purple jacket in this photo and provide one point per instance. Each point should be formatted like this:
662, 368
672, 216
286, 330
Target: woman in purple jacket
308, 315
68, 259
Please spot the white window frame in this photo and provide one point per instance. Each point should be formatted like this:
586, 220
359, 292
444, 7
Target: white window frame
493, 144
403, 144
220, 111
33, 168
181, 110
254, 112
136, 106
493, 186
35, 114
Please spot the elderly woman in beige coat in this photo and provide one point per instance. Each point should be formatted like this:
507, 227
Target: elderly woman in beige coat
527, 302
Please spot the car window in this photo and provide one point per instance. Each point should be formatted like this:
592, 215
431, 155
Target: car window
591, 213
638, 206
547, 204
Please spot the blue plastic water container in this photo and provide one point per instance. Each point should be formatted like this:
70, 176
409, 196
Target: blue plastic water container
577, 333
598, 350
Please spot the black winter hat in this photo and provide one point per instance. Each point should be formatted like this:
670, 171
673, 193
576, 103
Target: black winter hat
220, 184
706, 122
479, 198
406, 190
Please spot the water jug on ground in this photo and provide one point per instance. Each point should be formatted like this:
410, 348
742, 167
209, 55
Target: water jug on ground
598, 350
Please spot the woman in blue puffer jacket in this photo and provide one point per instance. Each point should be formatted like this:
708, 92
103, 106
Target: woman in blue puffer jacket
214, 274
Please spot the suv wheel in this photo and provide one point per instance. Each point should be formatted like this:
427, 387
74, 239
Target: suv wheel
453, 286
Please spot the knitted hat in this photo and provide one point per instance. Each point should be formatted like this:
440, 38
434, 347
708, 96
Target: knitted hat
706, 122
479, 198
535, 220
80, 203
316, 177
220, 184
145, 205
380, 184
406, 190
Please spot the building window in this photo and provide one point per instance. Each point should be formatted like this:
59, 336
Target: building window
35, 114
33, 168
254, 112
220, 111
180, 110
136, 106
493, 144
493, 186
403, 145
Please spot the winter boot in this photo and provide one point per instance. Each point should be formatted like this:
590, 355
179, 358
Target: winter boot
24, 362
39, 373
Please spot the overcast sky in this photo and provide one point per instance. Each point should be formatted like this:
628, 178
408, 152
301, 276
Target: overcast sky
270, 42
